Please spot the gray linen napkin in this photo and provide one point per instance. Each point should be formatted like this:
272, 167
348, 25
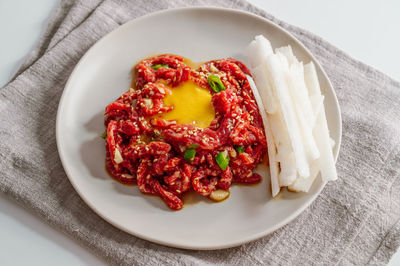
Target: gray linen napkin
354, 221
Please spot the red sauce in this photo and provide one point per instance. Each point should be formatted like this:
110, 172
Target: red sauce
147, 150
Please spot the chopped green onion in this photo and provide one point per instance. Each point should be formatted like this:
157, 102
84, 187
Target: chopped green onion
215, 83
189, 155
104, 135
155, 67
194, 146
239, 149
222, 160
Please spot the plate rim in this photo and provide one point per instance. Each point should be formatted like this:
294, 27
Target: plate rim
171, 243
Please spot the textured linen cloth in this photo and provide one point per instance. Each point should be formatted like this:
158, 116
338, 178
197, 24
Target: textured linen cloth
354, 221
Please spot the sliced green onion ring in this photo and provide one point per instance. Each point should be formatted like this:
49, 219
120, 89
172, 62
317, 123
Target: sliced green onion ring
222, 160
215, 83
189, 155
104, 135
155, 67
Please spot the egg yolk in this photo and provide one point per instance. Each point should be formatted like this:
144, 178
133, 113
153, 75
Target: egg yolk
192, 105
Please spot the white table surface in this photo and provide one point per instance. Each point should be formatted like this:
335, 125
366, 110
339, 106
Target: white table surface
366, 29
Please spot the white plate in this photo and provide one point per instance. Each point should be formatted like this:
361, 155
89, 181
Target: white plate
103, 74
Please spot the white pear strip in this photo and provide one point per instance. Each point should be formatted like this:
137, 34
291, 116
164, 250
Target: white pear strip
281, 136
264, 88
251, 53
321, 131
310, 145
311, 79
276, 75
317, 101
304, 184
283, 59
288, 172
285, 152
273, 164
258, 50
321, 135
288, 53
303, 109
300, 91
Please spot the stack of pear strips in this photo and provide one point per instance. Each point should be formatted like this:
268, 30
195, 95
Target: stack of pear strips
291, 104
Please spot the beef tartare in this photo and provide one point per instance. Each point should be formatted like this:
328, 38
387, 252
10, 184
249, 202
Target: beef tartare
182, 128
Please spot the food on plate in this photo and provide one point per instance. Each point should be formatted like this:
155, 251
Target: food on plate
182, 128
291, 106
